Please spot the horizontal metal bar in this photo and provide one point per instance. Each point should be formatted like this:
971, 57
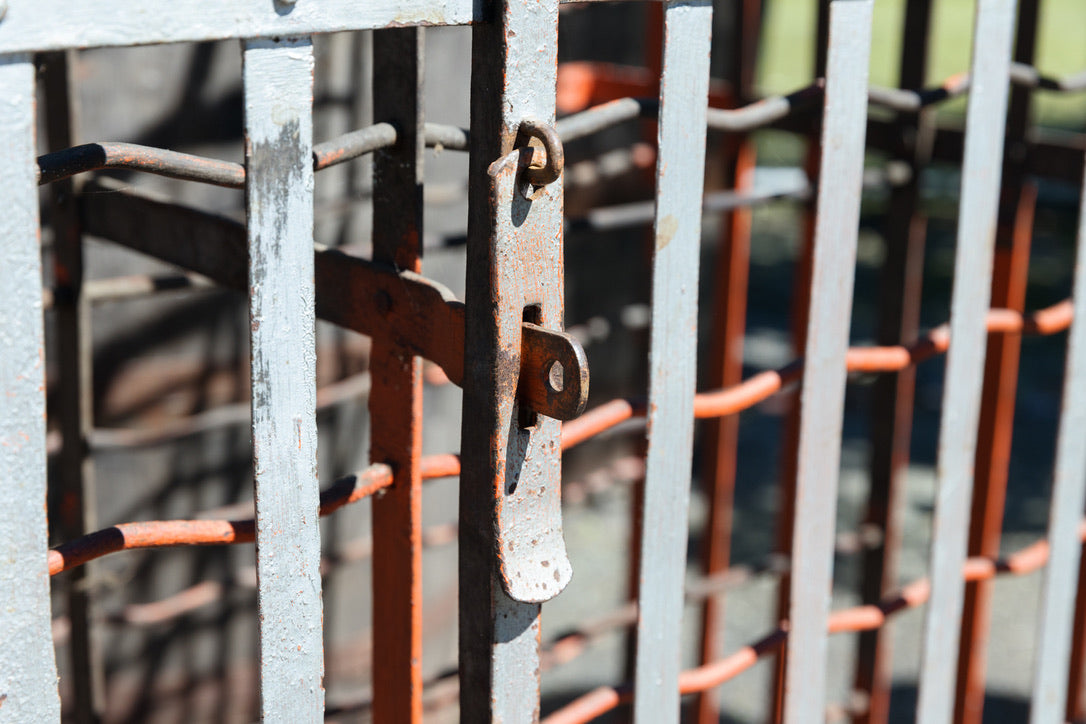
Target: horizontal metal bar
759, 114
169, 533
372, 299
115, 289
92, 156
851, 620
110, 154
39, 25
1050, 320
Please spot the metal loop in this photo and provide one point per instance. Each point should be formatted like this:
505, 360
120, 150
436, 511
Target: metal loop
556, 158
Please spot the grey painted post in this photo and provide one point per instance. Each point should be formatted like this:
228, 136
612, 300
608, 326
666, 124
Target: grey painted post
28, 672
278, 78
1055, 628
822, 398
680, 166
982, 167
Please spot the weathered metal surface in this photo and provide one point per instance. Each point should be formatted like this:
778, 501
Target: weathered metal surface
278, 80
900, 287
395, 401
36, 25
680, 166
76, 514
371, 298
1055, 626
532, 562
28, 673
510, 452
965, 361
822, 396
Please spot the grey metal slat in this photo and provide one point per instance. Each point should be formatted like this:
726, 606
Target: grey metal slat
822, 397
28, 673
38, 25
982, 167
684, 89
1056, 623
512, 555
278, 79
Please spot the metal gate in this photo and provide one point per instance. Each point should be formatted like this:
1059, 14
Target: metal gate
522, 375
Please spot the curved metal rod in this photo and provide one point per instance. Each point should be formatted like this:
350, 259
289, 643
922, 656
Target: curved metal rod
719, 403
95, 156
188, 167
858, 618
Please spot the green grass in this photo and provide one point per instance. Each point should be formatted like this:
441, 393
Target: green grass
788, 50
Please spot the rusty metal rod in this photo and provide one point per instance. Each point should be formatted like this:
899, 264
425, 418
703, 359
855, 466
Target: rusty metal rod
188, 167
849, 620
728, 401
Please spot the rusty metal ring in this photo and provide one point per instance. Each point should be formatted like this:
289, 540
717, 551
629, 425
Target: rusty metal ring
556, 158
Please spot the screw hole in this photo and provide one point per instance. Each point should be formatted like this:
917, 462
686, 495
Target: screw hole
556, 377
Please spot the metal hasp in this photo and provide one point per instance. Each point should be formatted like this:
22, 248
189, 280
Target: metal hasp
28, 672
822, 397
982, 166
278, 80
680, 169
512, 553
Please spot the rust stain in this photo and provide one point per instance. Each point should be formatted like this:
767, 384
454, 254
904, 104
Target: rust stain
665, 232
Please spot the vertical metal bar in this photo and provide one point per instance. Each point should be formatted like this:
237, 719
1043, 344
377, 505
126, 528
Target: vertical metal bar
75, 469
801, 293
396, 396
900, 290
1054, 632
28, 672
1010, 273
822, 397
722, 436
1075, 710
278, 79
680, 167
726, 353
965, 361
509, 456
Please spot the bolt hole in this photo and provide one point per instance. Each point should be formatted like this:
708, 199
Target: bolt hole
556, 377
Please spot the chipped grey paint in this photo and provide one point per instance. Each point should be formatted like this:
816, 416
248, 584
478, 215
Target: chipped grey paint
684, 90
822, 397
278, 79
1055, 628
28, 673
981, 171
58, 24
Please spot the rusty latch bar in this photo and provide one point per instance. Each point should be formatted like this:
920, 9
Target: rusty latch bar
371, 298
